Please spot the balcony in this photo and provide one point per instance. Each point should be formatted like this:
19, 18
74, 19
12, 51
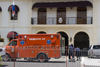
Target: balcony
65, 21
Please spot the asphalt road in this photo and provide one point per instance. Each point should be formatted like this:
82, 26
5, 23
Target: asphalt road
51, 63
39, 64
34, 64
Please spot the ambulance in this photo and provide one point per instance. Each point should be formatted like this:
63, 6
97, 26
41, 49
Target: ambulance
39, 46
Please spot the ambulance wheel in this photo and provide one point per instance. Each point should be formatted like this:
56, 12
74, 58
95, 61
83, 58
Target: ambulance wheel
42, 57
6, 57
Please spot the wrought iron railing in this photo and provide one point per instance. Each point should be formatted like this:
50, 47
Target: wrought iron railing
67, 20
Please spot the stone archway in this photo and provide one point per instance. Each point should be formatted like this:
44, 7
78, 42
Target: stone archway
64, 41
81, 40
41, 32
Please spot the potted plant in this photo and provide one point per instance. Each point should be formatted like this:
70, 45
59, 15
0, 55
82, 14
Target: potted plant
1, 42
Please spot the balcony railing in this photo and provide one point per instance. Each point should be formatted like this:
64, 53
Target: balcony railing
67, 20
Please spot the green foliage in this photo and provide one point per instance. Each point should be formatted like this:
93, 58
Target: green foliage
0, 60
1, 40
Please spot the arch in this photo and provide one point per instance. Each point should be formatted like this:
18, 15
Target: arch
64, 41
16, 8
61, 30
81, 30
81, 40
41, 30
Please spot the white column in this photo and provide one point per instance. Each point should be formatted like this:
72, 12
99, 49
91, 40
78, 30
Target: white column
95, 21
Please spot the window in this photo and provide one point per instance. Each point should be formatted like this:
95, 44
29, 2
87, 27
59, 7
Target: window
81, 15
11, 13
96, 47
13, 43
42, 16
15, 16
61, 13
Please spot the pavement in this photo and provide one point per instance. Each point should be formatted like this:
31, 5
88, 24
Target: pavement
61, 62
90, 61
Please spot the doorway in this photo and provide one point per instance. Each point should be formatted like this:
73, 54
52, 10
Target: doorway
64, 42
81, 40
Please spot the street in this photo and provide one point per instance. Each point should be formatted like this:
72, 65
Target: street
34, 64
88, 62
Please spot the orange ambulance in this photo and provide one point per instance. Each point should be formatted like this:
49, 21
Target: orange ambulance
39, 46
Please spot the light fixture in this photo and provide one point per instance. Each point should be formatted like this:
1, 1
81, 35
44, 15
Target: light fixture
70, 39
51, 8
71, 7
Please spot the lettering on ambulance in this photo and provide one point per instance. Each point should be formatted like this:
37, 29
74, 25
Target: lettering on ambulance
36, 38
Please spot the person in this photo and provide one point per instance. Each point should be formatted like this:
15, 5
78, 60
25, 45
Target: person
77, 52
71, 52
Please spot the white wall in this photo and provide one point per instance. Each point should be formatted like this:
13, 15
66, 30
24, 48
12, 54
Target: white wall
35, 12
98, 36
71, 12
89, 12
20, 26
98, 12
23, 13
52, 12
5, 31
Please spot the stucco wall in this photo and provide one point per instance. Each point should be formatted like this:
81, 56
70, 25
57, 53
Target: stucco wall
22, 15
5, 31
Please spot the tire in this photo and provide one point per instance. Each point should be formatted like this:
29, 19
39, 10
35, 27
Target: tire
97, 57
6, 57
42, 58
89, 57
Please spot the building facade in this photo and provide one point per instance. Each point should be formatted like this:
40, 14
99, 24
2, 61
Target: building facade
76, 20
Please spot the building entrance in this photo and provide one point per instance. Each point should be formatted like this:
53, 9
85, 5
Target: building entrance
64, 42
81, 40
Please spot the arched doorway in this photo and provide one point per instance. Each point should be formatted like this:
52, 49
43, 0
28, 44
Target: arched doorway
64, 42
81, 40
41, 32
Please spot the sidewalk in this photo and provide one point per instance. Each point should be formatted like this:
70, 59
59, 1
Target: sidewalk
63, 58
90, 61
